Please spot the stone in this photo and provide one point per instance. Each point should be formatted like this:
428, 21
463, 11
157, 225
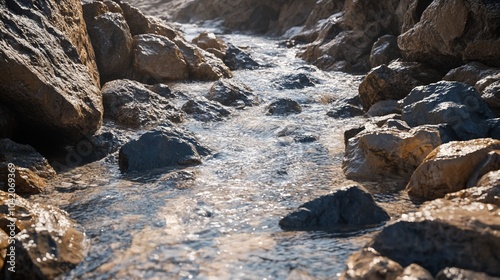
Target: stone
451, 103
486, 81
26, 182
237, 59
384, 107
295, 81
385, 152
24, 156
494, 128
348, 209
48, 75
490, 163
453, 273
205, 110
384, 50
131, 104
48, 243
157, 57
160, 27
369, 264
230, 92
415, 272
448, 168
470, 73
487, 190
208, 40
4, 245
442, 234
491, 95
283, 107
345, 108
162, 90
136, 20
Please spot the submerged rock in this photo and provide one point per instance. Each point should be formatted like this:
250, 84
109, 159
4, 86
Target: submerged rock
284, 106
205, 110
348, 209
230, 92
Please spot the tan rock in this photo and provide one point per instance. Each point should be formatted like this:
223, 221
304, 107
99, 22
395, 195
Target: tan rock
208, 40
25, 181
368, 264
415, 272
486, 191
4, 244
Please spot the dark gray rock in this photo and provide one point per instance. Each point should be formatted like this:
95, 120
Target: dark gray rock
284, 106
351, 132
205, 110
295, 81
237, 59
230, 92
347, 209
8, 122
384, 107
162, 90
494, 128
384, 51
345, 108
470, 73
453, 273
136, 20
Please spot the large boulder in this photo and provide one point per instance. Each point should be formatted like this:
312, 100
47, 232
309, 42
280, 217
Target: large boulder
453, 103
48, 75
230, 92
448, 168
450, 33
347, 209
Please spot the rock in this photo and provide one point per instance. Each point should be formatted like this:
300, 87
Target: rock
345, 108
491, 95
448, 102
48, 76
24, 156
160, 27
472, 35
100, 146
351, 132
159, 149
230, 92
157, 57
470, 73
306, 138
369, 264
322, 10
47, 242
415, 272
486, 81
211, 43
283, 107
494, 128
386, 152
448, 168
131, 104
25, 181
486, 191
384, 107
384, 51
8, 122
347, 209
442, 234
205, 110
136, 20
397, 124
490, 163
4, 245
162, 90
453, 273
236, 59
295, 81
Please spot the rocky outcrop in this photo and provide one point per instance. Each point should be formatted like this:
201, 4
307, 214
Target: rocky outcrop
205, 110
348, 209
284, 106
48, 75
230, 92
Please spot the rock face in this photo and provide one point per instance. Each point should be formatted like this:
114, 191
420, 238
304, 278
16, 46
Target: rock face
8, 122
48, 243
448, 102
384, 50
205, 110
230, 92
388, 152
131, 104
48, 75
448, 168
472, 35
284, 106
347, 209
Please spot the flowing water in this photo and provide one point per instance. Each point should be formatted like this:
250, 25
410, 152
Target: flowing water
219, 220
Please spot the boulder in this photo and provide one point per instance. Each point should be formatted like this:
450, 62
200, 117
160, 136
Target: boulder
211, 43
295, 81
448, 168
453, 273
490, 163
47, 242
230, 92
384, 107
384, 152
26, 182
470, 73
130, 103
491, 95
444, 234
237, 59
157, 57
487, 190
136, 20
415, 272
205, 110
8, 122
48, 75
472, 35
162, 90
384, 50
24, 156
284, 106
369, 264
451, 103
494, 128
347, 209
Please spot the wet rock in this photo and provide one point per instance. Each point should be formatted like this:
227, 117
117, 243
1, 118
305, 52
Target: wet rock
470, 73
369, 264
386, 152
347, 209
486, 81
25, 181
48, 243
448, 168
230, 92
448, 102
157, 57
131, 104
205, 110
487, 190
415, 272
237, 59
48, 75
491, 95
384, 107
453, 273
442, 234
284, 106
384, 51
345, 108
101, 145
472, 35
295, 81
8, 122
24, 156
211, 43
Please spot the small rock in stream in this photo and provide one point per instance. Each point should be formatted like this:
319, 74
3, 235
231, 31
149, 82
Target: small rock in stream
284, 106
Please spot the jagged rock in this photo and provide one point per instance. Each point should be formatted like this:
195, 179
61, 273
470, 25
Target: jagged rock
230, 92
347, 209
491, 95
236, 59
322, 10
284, 106
453, 273
24, 156
295, 81
205, 110
471, 35
48, 243
345, 108
448, 102
157, 57
384, 107
487, 190
48, 76
384, 50
8, 122
369, 264
445, 233
397, 124
130, 103
470, 73
387, 152
211, 43
448, 168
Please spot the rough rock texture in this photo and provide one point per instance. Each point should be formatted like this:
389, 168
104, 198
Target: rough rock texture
448, 168
384, 50
48, 243
444, 234
448, 102
369, 264
237, 59
25, 180
211, 43
131, 104
388, 152
486, 81
284, 106
295, 81
157, 57
384, 107
415, 272
491, 95
486, 191
490, 163
472, 35
24, 156
453, 273
470, 73
347, 209
48, 75
205, 110
230, 92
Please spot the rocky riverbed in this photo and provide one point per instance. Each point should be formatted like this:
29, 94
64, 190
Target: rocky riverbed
253, 140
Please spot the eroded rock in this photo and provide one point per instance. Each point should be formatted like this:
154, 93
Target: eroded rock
453, 273
211, 43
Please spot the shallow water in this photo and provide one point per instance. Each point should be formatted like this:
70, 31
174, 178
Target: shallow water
219, 220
